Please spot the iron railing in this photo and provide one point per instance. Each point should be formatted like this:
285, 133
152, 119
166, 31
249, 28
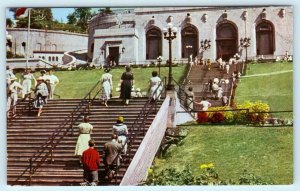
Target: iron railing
138, 128
45, 152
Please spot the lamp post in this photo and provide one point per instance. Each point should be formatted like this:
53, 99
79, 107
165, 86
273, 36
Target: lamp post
245, 43
159, 60
205, 44
170, 34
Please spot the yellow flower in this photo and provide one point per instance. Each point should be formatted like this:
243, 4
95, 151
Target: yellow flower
210, 165
203, 166
150, 170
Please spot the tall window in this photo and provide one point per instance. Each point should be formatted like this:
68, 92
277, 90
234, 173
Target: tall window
227, 40
189, 42
153, 43
265, 38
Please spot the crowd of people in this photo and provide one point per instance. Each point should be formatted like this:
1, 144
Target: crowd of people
113, 150
44, 87
126, 86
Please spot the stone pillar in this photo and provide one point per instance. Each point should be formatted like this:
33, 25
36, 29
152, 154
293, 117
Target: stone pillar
171, 123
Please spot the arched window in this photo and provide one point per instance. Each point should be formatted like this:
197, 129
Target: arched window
56, 58
53, 58
153, 43
265, 38
227, 40
43, 57
189, 41
49, 58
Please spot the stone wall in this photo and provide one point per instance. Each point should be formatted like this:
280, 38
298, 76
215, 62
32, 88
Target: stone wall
145, 18
46, 40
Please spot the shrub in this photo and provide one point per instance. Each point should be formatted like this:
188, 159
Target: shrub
202, 117
228, 115
255, 115
208, 176
217, 117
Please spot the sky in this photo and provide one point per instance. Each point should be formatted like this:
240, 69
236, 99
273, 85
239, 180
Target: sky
59, 14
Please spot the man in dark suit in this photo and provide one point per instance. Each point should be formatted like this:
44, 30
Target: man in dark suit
112, 156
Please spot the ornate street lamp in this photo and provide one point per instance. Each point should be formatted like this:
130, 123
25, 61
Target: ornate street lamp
205, 44
159, 60
245, 43
170, 34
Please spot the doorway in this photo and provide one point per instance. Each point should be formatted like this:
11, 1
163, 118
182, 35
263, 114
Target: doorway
227, 41
113, 56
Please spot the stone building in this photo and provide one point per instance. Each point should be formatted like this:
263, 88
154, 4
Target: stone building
46, 44
137, 36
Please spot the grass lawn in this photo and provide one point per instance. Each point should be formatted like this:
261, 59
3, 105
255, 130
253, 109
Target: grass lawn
275, 89
266, 152
76, 84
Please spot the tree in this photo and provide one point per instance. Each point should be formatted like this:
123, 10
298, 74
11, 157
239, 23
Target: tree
9, 22
106, 10
83, 15
39, 18
72, 19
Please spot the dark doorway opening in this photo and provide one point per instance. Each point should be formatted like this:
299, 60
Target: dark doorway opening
227, 41
265, 38
113, 57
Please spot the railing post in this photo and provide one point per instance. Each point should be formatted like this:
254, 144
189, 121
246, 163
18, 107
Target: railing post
30, 171
72, 121
51, 152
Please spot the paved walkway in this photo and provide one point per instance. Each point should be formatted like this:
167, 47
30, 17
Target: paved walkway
267, 74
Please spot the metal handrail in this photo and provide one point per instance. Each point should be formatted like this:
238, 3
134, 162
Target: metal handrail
50, 144
181, 91
138, 127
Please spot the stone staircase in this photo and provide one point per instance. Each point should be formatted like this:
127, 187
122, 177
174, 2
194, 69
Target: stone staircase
27, 133
199, 77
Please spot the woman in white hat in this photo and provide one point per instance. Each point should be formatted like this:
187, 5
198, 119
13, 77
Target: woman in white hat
41, 94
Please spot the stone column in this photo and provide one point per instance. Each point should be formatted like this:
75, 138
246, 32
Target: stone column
171, 123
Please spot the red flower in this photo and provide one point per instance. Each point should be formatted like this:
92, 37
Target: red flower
202, 117
217, 117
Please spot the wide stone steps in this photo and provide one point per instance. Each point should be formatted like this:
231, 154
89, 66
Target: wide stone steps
27, 133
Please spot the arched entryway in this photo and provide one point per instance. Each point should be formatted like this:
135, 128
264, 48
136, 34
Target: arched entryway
189, 41
265, 38
153, 43
227, 40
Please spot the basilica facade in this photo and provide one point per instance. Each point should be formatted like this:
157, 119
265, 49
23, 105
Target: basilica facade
137, 35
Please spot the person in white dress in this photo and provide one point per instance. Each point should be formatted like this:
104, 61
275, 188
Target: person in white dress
26, 84
205, 104
12, 96
107, 86
53, 80
220, 92
154, 86
120, 129
85, 131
